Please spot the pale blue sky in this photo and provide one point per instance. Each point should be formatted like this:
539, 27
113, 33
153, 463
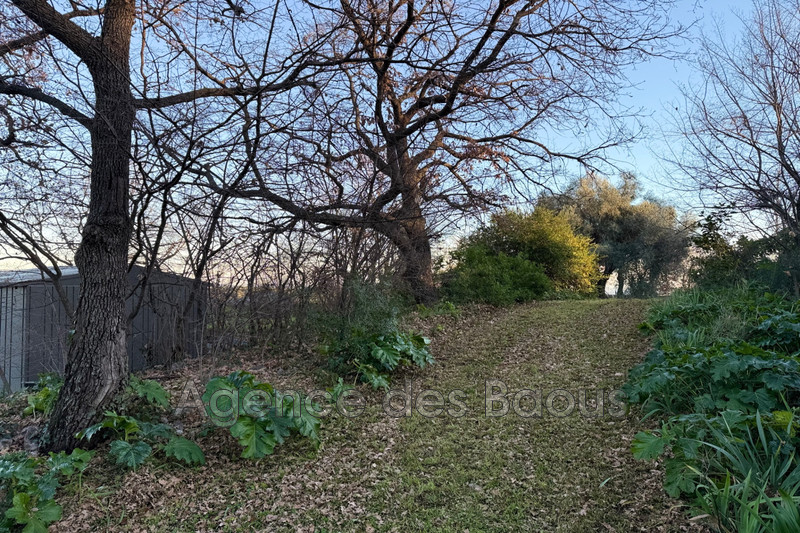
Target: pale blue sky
658, 93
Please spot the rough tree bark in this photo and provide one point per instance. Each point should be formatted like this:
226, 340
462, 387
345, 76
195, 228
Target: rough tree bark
620, 284
97, 360
416, 260
414, 248
417, 263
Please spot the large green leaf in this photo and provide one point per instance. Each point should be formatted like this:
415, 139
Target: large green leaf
152, 432
279, 423
47, 484
185, 450
241, 379
648, 446
219, 399
376, 379
263, 417
129, 454
122, 425
421, 356
35, 515
89, 432
81, 458
386, 354
680, 477
22, 470
307, 424
150, 390
60, 462
252, 434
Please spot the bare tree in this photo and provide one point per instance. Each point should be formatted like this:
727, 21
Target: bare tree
77, 64
741, 131
446, 108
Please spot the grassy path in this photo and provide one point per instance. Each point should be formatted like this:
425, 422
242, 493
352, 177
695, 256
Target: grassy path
446, 473
554, 473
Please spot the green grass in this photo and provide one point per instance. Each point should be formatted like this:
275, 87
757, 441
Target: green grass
471, 473
510, 473
695, 318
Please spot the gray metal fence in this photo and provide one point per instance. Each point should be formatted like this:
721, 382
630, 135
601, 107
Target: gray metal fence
35, 328
12, 328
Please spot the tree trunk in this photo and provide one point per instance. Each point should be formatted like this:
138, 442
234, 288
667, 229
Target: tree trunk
417, 264
414, 246
415, 255
794, 264
97, 360
608, 269
601, 286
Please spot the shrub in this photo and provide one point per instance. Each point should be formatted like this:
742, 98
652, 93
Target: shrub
772, 261
360, 306
29, 486
374, 357
641, 240
364, 338
721, 377
43, 398
724, 377
481, 275
548, 239
134, 439
701, 317
523, 256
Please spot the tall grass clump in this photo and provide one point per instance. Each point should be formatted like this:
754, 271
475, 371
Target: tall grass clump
698, 317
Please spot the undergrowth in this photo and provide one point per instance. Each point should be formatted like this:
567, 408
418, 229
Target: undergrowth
724, 382
364, 338
258, 416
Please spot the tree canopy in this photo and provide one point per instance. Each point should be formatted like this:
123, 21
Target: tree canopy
642, 241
